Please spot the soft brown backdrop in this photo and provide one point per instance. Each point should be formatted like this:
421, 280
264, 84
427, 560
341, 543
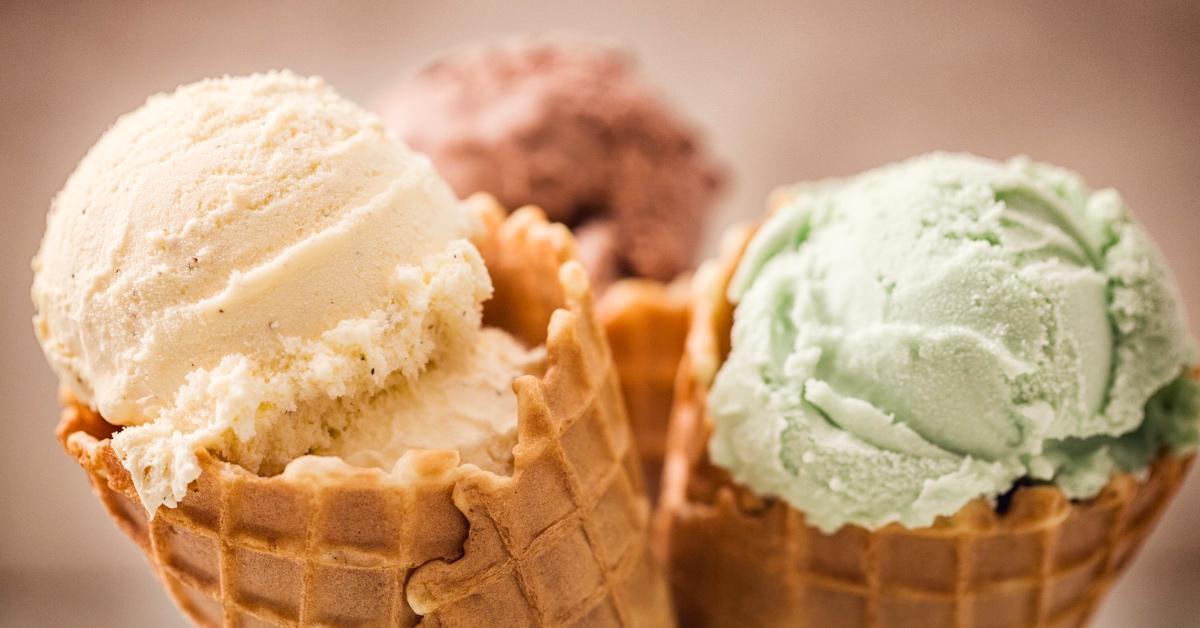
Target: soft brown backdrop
788, 91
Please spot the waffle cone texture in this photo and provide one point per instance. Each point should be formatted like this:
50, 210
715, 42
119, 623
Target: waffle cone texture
646, 323
737, 559
561, 542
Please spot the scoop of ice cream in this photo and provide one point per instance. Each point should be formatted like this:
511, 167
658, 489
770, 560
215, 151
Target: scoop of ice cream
464, 402
930, 332
567, 125
230, 254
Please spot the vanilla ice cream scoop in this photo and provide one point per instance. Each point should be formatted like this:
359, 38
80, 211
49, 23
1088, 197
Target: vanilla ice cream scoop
231, 252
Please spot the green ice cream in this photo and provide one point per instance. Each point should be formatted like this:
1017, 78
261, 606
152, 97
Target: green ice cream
930, 332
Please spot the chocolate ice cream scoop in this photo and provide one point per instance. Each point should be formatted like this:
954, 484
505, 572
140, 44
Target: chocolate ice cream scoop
567, 125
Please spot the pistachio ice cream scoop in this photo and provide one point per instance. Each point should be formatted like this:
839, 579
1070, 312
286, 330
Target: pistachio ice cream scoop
931, 332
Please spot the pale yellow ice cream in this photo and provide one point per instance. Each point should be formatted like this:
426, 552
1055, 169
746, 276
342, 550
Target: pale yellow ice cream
465, 403
245, 264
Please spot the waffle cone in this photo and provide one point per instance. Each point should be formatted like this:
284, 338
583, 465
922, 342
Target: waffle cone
739, 559
646, 323
560, 542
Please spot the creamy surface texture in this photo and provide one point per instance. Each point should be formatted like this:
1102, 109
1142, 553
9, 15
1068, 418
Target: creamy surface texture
464, 402
232, 258
929, 332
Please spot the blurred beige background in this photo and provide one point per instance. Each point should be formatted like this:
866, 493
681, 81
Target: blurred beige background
787, 90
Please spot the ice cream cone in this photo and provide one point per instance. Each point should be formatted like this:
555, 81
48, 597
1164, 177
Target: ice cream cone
560, 542
646, 323
739, 559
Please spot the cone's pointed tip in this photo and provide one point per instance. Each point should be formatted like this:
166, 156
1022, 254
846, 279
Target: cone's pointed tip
574, 280
485, 212
528, 213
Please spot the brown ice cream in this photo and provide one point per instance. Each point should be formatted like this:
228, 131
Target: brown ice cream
567, 125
